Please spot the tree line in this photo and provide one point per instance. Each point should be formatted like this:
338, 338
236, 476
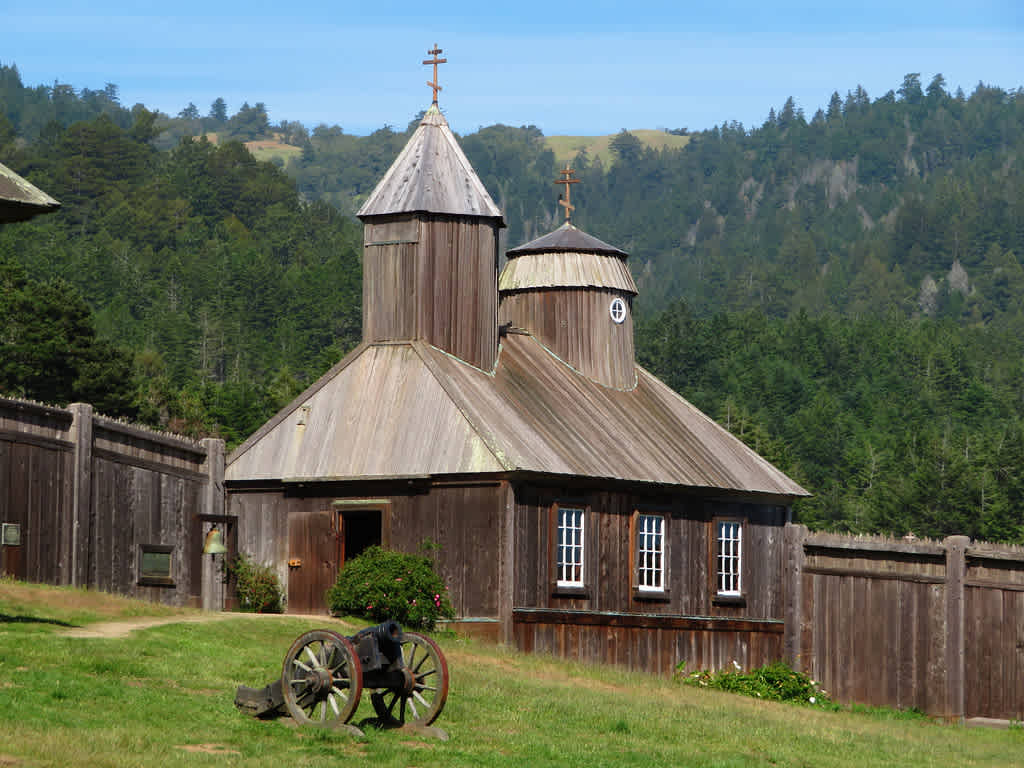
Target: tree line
842, 292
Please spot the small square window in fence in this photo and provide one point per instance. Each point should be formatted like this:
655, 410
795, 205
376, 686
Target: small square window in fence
155, 563
11, 535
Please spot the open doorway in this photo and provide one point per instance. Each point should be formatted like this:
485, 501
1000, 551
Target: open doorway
358, 529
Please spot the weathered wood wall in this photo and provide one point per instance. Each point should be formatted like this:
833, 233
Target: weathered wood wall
612, 621
36, 470
938, 626
576, 325
433, 278
293, 523
90, 492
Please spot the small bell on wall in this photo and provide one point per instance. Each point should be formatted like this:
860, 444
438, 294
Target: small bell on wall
214, 544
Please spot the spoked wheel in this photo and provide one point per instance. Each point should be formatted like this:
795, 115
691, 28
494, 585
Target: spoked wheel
422, 697
322, 679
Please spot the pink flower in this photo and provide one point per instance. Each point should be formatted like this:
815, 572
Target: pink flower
369, 607
399, 578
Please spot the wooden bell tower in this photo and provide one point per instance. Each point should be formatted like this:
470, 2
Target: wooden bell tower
430, 247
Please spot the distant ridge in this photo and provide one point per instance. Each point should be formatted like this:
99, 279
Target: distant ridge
567, 147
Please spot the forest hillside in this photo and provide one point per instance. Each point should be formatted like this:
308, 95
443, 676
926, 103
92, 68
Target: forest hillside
842, 291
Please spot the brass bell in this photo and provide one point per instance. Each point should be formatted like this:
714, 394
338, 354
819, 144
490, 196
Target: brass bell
214, 542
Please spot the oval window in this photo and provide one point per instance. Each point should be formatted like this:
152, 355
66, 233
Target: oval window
617, 310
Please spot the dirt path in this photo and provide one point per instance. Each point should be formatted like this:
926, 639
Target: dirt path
123, 628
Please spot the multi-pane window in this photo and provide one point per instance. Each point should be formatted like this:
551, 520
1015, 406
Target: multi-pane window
569, 562
650, 553
730, 557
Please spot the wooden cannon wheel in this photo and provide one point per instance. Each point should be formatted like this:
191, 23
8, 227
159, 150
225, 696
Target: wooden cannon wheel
322, 679
422, 698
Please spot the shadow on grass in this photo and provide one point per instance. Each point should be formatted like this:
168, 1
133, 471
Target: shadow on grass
8, 619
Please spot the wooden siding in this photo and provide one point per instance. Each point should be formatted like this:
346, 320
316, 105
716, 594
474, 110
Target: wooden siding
566, 270
462, 518
576, 325
656, 648
457, 280
433, 278
390, 291
610, 620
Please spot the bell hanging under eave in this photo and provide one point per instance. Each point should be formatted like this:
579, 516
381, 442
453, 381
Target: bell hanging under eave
214, 542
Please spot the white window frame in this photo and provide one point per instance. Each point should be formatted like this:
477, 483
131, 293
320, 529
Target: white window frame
570, 547
617, 310
651, 532
729, 558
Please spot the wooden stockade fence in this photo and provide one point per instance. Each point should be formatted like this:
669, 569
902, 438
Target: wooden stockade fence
94, 502
934, 625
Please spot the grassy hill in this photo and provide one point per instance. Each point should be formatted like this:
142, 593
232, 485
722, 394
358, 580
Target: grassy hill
567, 147
163, 696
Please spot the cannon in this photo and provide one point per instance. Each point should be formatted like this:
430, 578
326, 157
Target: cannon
324, 674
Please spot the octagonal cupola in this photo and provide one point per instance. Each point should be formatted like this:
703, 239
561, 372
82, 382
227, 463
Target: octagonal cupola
574, 293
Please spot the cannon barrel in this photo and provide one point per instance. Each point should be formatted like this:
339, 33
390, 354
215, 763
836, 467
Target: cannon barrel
380, 645
387, 633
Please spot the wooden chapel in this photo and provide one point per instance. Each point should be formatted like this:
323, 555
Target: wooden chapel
581, 507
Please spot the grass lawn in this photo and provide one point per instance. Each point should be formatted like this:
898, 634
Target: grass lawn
163, 697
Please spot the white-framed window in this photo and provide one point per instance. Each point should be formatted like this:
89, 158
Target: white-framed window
729, 559
617, 309
650, 553
571, 549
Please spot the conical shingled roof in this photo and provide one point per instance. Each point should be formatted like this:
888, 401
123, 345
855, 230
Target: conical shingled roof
566, 238
20, 200
566, 258
431, 175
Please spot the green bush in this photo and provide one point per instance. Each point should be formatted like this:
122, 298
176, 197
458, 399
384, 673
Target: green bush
257, 586
775, 681
383, 585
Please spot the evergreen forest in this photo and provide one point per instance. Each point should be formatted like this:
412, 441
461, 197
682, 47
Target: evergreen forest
843, 292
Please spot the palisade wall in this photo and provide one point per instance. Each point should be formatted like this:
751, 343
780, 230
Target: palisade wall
88, 495
933, 625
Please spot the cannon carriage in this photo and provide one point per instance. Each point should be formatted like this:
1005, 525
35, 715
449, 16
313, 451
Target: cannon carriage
325, 673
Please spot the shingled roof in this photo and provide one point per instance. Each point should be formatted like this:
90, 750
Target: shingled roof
20, 200
565, 239
408, 409
431, 175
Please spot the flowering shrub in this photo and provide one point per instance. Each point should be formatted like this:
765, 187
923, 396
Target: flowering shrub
257, 586
384, 585
775, 681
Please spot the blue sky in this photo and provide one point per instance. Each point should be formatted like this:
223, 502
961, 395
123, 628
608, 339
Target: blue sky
572, 67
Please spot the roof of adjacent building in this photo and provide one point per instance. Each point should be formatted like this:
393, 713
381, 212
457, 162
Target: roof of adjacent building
409, 409
431, 175
19, 199
566, 238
